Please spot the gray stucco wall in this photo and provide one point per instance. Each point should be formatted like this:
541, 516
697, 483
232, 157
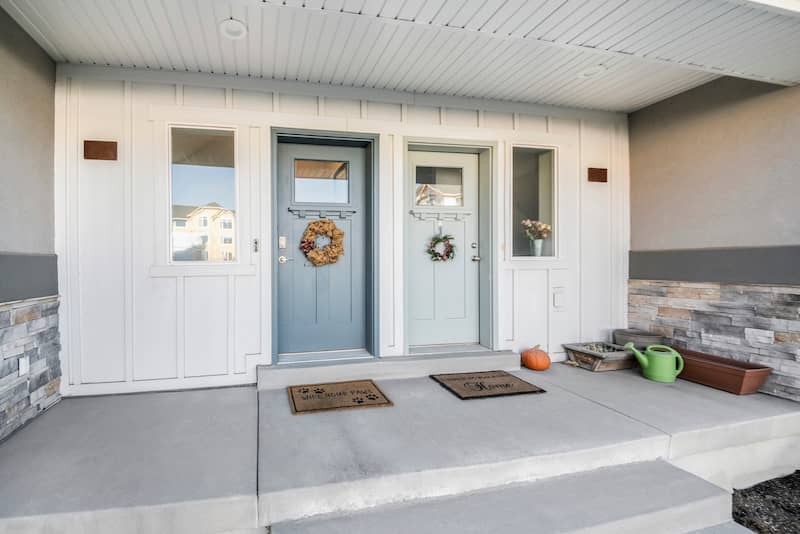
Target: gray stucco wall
27, 85
715, 224
717, 166
30, 368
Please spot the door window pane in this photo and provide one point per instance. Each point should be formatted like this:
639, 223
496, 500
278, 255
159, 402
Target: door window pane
533, 201
203, 195
439, 186
321, 181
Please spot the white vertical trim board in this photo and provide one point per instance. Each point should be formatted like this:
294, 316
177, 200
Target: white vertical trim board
155, 346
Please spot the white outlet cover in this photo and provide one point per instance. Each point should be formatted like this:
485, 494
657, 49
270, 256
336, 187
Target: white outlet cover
559, 300
24, 366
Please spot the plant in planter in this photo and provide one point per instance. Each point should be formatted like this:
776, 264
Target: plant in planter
537, 232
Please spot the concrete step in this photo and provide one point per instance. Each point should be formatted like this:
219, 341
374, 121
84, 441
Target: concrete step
282, 375
652, 497
725, 528
432, 444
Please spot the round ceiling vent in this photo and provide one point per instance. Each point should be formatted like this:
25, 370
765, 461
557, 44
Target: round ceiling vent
233, 29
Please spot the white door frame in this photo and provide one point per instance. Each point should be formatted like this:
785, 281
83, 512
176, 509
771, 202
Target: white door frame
487, 209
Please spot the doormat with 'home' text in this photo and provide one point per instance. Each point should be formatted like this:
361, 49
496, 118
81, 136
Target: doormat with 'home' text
485, 384
335, 396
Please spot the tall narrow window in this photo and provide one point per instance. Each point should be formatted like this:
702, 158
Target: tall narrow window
203, 195
533, 218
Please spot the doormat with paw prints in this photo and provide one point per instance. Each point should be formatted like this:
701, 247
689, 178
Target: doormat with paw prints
335, 396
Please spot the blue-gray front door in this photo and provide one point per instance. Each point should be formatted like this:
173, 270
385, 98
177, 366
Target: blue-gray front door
321, 308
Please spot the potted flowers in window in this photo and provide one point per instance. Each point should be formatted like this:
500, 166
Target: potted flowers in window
537, 232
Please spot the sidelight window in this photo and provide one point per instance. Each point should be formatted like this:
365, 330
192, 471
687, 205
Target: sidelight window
203, 190
533, 221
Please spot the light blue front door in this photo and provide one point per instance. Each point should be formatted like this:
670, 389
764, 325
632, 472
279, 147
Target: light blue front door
321, 308
443, 296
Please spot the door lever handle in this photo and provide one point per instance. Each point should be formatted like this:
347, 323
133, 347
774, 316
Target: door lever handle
476, 258
284, 259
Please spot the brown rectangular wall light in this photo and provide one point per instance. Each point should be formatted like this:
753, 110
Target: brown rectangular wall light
598, 175
106, 150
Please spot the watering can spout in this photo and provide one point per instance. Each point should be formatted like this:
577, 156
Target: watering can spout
639, 356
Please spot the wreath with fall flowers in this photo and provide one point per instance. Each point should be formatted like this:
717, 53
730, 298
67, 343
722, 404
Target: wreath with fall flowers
448, 250
329, 253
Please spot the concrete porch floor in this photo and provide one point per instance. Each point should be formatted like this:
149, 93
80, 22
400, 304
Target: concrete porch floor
196, 461
151, 462
431, 444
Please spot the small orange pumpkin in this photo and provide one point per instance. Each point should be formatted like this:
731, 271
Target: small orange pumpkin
536, 359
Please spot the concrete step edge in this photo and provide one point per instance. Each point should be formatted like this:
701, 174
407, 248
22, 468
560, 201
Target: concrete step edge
729, 527
351, 496
389, 368
691, 517
697, 505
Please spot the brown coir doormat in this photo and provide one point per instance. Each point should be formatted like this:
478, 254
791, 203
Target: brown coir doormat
485, 384
335, 396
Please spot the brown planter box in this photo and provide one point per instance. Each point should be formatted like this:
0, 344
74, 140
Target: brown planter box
733, 376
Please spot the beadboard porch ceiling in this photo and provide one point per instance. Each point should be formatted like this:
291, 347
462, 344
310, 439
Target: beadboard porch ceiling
619, 55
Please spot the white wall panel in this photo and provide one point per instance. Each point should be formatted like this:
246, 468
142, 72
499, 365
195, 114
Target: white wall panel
253, 100
206, 325
532, 123
304, 105
247, 320
155, 305
508, 297
563, 126
213, 97
100, 233
563, 303
391, 285
423, 114
380, 111
596, 234
531, 310
340, 107
156, 329
498, 120
461, 117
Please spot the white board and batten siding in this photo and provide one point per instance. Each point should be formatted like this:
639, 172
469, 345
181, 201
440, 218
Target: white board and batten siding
134, 322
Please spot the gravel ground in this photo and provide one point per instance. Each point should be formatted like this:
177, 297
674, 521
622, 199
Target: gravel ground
772, 507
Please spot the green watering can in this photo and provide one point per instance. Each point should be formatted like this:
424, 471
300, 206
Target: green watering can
659, 362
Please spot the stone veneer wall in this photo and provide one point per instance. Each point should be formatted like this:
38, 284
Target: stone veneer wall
755, 323
28, 329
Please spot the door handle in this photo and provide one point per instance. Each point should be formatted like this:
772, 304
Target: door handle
476, 258
284, 259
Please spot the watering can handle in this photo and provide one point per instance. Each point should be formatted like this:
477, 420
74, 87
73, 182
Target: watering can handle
680, 363
664, 348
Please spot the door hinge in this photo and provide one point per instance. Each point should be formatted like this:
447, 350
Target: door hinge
255, 245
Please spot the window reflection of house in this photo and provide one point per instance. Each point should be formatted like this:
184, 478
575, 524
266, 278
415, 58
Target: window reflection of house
439, 186
203, 233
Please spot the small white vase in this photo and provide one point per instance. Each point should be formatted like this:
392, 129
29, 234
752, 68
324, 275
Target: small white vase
536, 247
